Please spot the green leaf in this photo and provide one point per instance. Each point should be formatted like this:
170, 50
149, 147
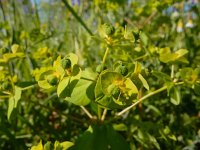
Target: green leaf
155, 109
73, 57
189, 75
173, 137
168, 57
58, 68
83, 92
38, 147
130, 87
110, 102
11, 105
107, 82
109, 78
180, 53
67, 84
48, 146
138, 68
162, 76
26, 85
154, 141
100, 138
57, 146
66, 145
40, 74
144, 38
17, 96
144, 82
63, 88
115, 140
13, 101
120, 127
44, 84
175, 96
10, 56
98, 89
14, 48
165, 50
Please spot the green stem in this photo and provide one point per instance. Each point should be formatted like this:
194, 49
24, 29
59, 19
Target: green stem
99, 111
3, 12
105, 56
77, 17
99, 108
37, 14
145, 97
172, 72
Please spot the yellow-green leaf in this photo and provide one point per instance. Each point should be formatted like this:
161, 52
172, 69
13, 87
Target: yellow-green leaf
38, 147
144, 82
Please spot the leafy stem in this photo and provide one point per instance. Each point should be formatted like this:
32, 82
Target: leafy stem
99, 108
145, 97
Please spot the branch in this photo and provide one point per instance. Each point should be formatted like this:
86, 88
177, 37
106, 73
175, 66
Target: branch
145, 97
77, 17
87, 112
141, 99
104, 114
148, 19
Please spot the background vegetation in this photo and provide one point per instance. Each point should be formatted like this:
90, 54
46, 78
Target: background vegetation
161, 37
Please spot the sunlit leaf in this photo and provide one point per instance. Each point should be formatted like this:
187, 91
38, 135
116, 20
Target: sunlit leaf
175, 96
14, 48
83, 92
38, 147
63, 87
144, 82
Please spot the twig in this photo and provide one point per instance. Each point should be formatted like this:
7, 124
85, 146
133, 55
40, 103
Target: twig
59, 112
145, 97
104, 114
87, 112
148, 19
77, 17
130, 22
141, 99
3, 12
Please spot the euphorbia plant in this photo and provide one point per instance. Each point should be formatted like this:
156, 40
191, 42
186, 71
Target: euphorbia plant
120, 89
119, 85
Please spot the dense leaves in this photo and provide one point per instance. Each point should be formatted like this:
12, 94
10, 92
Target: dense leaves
101, 74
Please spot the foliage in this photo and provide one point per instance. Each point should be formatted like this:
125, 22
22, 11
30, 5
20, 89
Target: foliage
110, 75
